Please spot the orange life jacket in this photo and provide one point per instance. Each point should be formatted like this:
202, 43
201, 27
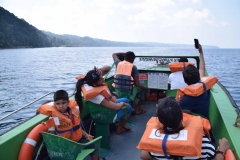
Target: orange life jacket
179, 66
69, 123
194, 127
123, 79
91, 92
197, 89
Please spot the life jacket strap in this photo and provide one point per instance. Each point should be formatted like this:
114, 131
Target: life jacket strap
124, 81
205, 90
123, 84
113, 94
164, 146
71, 130
110, 97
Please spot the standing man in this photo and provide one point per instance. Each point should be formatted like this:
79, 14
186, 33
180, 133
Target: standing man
126, 76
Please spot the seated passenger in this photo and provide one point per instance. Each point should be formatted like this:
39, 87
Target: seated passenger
196, 102
170, 115
175, 79
126, 76
95, 90
67, 113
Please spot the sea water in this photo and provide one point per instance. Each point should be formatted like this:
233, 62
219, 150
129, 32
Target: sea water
27, 74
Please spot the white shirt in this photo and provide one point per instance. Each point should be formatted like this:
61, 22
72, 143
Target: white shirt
208, 152
176, 80
97, 100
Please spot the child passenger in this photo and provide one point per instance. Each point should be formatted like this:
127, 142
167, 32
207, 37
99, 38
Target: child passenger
67, 112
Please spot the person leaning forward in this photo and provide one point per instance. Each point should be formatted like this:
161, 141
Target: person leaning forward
126, 76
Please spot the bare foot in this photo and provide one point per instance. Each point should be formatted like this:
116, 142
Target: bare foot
141, 111
127, 127
122, 130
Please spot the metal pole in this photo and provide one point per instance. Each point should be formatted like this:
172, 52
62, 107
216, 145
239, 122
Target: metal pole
25, 106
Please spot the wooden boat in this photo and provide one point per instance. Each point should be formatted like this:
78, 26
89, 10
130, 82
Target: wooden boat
223, 113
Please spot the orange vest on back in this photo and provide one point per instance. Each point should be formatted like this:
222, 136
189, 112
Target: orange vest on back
197, 89
66, 128
194, 128
91, 92
122, 78
179, 66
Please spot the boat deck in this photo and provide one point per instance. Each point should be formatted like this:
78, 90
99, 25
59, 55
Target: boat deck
123, 146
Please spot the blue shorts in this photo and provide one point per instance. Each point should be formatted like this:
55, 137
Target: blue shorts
120, 114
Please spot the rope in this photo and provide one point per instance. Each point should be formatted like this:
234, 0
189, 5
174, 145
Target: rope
39, 150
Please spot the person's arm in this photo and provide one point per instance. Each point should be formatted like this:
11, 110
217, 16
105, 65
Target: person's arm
87, 136
202, 62
223, 146
135, 76
111, 105
137, 83
116, 55
103, 70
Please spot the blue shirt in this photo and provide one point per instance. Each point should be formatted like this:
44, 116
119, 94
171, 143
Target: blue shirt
198, 104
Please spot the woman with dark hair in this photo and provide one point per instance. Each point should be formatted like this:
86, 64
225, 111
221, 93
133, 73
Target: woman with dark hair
170, 115
94, 89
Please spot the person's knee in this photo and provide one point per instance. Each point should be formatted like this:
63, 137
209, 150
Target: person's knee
130, 109
125, 100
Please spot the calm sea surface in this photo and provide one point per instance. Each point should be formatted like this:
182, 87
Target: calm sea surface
27, 74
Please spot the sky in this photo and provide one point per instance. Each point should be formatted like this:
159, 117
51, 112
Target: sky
213, 22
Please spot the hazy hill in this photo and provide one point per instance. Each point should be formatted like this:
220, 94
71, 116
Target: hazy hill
17, 33
76, 41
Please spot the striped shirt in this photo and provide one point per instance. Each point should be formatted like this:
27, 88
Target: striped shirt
208, 152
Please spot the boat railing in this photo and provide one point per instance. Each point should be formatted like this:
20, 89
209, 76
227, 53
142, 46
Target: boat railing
237, 121
25, 106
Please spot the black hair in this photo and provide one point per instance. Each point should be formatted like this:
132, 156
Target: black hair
130, 56
183, 59
191, 75
91, 79
60, 95
170, 114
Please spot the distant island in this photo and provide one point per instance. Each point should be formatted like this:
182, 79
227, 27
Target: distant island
17, 33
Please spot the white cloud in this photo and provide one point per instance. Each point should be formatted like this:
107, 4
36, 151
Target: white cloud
224, 23
196, 1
